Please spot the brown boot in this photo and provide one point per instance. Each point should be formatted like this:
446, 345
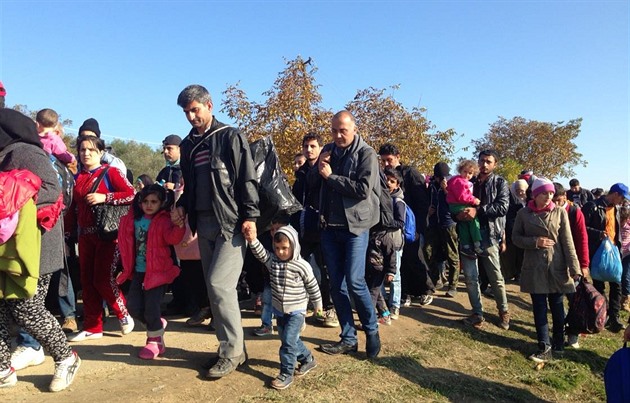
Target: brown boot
504, 322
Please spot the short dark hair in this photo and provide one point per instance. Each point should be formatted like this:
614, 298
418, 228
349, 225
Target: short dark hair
96, 142
281, 218
298, 155
574, 182
388, 149
310, 136
489, 153
559, 190
280, 237
394, 173
193, 93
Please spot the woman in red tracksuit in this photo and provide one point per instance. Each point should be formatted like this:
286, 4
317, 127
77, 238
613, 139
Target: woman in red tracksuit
96, 256
145, 238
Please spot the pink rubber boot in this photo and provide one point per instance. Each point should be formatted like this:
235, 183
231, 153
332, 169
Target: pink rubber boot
155, 345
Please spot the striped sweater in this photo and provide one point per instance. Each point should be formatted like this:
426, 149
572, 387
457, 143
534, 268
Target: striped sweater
292, 281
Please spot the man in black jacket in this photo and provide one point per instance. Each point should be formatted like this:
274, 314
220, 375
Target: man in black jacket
493, 192
602, 221
172, 172
578, 195
221, 202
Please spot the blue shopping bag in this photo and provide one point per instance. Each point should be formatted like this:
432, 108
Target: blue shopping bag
606, 263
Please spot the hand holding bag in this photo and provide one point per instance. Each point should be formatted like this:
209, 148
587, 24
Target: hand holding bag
107, 216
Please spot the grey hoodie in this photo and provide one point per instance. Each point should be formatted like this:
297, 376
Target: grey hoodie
292, 281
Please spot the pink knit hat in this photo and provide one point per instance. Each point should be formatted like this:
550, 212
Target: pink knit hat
541, 185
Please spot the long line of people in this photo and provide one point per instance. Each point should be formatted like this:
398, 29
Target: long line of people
205, 204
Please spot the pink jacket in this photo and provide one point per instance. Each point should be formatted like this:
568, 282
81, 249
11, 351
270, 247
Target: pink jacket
53, 144
160, 266
459, 191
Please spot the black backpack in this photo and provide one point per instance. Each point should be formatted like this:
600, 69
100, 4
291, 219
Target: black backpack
66, 181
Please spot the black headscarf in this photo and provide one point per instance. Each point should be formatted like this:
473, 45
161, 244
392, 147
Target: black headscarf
17, 128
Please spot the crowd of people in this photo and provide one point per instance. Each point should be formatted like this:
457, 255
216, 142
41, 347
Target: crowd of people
390, 234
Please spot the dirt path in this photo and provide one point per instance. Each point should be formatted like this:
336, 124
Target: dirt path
111, 370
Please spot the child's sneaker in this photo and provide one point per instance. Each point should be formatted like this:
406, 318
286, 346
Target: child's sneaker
263, 331
330, 319
154, 347
65, 372
385, 320
126, 324
394, 313
282, 381
305, 367
84, 335
8, 378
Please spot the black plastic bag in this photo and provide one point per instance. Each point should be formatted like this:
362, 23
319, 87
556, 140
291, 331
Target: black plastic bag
273, 187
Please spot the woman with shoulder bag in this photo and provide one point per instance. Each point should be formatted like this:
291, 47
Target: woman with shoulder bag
98, 187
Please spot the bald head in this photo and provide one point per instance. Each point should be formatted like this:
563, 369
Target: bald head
343, 129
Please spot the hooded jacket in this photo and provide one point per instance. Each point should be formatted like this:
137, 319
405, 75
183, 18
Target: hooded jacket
292, 281
162, 233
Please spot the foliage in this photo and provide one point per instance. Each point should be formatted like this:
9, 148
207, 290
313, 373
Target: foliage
32, 114
382, 119
139, 158
546, 148
291, 109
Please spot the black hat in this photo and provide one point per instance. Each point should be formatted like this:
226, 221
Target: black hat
172, 140
91, 125
441, 170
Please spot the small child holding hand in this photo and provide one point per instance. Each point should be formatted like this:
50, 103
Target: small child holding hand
459, 195
292, 284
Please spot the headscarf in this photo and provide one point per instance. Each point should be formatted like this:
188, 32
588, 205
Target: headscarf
17, 128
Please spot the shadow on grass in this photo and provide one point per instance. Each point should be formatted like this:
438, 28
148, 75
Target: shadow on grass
455, 386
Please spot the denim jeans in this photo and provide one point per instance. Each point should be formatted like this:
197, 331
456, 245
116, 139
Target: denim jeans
267, 310
292, 348
492, 267
393, 299
345, 257
539, 306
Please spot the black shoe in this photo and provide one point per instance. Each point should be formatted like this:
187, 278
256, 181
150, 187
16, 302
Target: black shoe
338, 348
615, 326
543, 355
372, 345
225, 366
210, 363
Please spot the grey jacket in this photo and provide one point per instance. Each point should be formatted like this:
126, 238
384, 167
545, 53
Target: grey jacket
546, 270
356, 177
36, 160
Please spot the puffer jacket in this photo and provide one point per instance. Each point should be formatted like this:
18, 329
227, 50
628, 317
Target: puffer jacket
162, 233
546, 270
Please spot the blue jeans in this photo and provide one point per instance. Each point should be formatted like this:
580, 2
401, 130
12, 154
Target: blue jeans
267, 310
345, 258
492, 265
393, 299
539, 306
625, 276
292, 348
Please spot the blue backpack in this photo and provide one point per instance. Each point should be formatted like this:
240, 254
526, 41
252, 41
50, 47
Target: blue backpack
617, 376
409, 230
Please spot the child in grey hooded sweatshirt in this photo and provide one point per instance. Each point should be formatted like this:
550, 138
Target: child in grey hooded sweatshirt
292, 284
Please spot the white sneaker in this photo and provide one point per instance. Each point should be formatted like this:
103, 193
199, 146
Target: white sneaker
24, 357
65, 372
8, 379
84, 335
126, 325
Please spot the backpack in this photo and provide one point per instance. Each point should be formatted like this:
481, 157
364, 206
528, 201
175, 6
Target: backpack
409, 230
66, 181
587, 311
617, 376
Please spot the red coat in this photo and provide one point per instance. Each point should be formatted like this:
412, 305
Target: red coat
160, 268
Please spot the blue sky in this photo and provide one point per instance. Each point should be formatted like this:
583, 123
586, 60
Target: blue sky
466, 62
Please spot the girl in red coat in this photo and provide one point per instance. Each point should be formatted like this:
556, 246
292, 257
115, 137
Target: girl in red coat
145, 237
